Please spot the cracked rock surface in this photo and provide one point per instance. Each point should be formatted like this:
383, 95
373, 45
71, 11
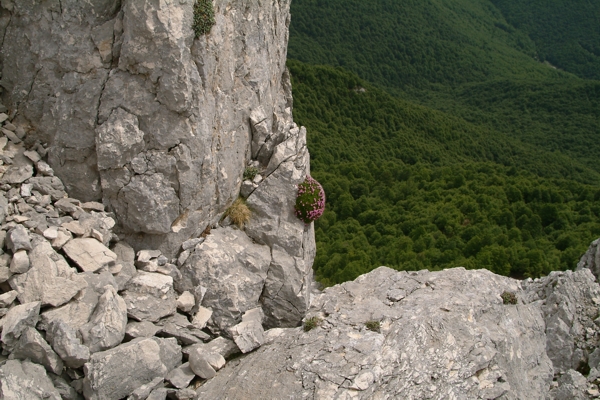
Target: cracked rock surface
140, 114
448, 336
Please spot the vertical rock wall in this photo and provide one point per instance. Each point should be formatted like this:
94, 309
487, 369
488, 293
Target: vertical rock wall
140, 114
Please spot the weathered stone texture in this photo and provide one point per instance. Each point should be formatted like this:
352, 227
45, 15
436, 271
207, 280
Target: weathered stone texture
139, 113
450, 337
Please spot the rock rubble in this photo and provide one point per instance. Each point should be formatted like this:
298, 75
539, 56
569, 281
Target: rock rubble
98, 319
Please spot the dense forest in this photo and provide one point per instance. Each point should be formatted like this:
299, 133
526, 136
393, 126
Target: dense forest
441, 139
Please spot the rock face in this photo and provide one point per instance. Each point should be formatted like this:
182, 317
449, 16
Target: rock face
425, 334
139, 113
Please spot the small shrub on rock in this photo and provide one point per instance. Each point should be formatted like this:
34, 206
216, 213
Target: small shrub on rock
373, 326
310, 202
311, 323
204, 17
509, 297
239, 213
250, 173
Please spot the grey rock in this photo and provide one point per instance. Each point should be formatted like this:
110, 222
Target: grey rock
150, 296
199, 365
202, 317
186, 301
67, 345
179, 327
286, 294
106, 328
6, 299
146, 255
158, 394
17, 320
287, 290
144, 391
455, 341
125, 257
249, 334
18, 173
188, 99
181, 376
571, 386
223, 346
185, 394
52, 186
49, 280
118, 140
24, 380
591, 259
32, 346
233, 270
135, 329
89, 254
116, 373
191, 243
151, 204
570, 304
67, 392
18, 239
20, 262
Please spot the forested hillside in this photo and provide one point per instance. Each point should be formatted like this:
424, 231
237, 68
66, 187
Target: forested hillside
462, 150
458, 56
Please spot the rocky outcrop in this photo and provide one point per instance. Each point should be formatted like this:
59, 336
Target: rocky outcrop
591, 259
423, 334
140, 114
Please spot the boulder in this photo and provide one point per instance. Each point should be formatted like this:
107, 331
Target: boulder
150, 296
32, 346
17, 320
20, 262
67, 345
106, 328
18, 239
232, 269
50, 279
116, 373
27, 381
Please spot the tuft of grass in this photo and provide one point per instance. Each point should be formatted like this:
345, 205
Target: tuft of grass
373, 326
312, 323
204, 17
509, 297
250, 173
239, 213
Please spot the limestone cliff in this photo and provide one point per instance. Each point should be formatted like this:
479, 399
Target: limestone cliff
141, 115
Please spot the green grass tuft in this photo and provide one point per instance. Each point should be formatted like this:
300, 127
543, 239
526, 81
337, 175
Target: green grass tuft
204, 17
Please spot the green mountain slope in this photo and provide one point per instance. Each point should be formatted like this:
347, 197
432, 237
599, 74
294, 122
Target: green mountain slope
410, 187
566, 33
458, 56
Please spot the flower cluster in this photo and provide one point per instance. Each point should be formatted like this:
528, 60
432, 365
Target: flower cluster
310, 202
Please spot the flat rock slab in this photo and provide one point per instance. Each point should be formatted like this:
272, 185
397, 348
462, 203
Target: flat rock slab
89, 254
